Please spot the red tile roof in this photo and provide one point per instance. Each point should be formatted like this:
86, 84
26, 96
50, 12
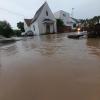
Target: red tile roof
28, 21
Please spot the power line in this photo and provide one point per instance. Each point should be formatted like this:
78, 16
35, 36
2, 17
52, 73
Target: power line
11, 12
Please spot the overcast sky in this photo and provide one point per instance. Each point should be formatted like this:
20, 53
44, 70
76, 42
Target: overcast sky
16, 10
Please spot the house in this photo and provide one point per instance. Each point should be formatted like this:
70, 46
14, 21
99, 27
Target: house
75, 22
66, 18
43, 22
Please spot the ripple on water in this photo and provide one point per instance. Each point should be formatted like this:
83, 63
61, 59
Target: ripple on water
50, 67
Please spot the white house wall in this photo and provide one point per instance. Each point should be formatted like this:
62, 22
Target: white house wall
38, 24
27, 28
66, 19
36, 30
51, 28
55, 27
44, 16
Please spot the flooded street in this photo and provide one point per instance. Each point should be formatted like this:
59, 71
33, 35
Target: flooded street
50, 67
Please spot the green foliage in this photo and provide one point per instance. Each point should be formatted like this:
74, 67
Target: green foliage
5, 29
60, 23
74, 25
17, 33
90, 22
20, 25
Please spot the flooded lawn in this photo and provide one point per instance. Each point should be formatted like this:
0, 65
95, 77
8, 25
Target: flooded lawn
50, 67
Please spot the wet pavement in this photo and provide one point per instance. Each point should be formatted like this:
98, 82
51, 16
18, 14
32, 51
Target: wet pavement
50, 67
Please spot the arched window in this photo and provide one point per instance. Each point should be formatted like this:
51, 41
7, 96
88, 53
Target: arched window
47, 13
34, 27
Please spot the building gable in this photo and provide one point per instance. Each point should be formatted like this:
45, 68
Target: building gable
46, 13
38, 13
28, 22
43, 15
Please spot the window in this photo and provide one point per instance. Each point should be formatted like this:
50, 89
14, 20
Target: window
47, 13
64, 15
34, 27
74, 25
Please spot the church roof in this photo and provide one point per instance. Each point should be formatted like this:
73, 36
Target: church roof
30, 21
38, 12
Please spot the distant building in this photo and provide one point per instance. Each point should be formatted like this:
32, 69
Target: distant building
43, 22
66, 18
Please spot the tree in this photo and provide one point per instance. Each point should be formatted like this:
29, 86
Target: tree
74, 25
96, 19
20, 25
60, 23
5, 29
17, 33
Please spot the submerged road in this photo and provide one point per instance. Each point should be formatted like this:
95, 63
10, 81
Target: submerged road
50, 67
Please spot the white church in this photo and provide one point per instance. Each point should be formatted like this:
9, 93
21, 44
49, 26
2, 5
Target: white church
43, 22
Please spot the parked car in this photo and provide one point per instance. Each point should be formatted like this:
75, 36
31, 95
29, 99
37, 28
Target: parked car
29, 33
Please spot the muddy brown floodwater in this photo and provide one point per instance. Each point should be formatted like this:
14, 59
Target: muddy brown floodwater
50, 67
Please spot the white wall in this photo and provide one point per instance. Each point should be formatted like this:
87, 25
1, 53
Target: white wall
64, 16
38, 24
30, 28
35, 28
44, 16
51, 28
27, 28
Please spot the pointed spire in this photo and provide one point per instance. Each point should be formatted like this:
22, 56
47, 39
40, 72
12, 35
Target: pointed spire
45, 1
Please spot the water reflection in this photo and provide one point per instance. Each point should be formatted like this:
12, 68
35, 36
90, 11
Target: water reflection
70, 72
51, 38
27, 45
47, 50
0, 61
9, 50
45, 45
47, 38
49, 45
94, 46
19, 47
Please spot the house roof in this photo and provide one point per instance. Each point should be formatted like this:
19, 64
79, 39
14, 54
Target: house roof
38, 12
75, 20
28, 21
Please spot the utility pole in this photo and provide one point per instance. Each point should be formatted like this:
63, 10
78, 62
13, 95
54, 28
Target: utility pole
73, 12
